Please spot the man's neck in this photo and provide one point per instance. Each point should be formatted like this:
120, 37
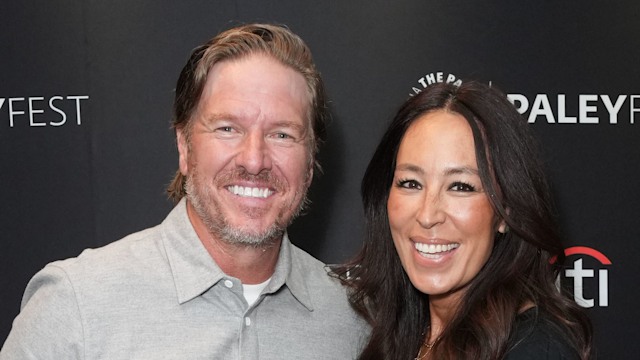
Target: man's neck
249, 264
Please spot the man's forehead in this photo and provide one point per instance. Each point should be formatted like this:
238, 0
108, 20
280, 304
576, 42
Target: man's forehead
253, 87
252, 66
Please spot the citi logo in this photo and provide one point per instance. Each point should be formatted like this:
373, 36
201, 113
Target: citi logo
589, 274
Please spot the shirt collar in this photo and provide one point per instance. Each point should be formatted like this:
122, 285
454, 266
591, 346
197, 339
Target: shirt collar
194, 271
290, 271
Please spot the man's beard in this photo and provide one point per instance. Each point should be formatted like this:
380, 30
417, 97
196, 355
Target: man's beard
208, 208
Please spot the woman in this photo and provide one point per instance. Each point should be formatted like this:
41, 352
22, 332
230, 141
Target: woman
457, 262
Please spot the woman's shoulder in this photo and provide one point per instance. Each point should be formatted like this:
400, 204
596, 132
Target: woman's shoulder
537, 336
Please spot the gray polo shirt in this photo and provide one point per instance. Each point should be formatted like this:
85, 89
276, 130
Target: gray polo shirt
157, 294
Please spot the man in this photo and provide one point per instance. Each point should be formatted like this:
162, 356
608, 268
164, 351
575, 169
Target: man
219, 278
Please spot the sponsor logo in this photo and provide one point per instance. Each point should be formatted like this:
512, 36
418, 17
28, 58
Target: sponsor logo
589, 107
587, 269
38, 111
553, 108
434, 78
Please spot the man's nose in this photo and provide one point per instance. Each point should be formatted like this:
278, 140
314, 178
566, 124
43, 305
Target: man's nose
254, 154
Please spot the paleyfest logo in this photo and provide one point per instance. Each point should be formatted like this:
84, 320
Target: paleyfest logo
553, 108
40, 111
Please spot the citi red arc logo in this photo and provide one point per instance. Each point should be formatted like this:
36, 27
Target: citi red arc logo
587, 251
580, 275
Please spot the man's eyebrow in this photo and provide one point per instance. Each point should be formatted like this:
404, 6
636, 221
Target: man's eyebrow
291, 124
218, 116
231, 117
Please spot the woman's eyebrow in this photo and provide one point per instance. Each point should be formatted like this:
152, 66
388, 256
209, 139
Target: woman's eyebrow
410, 167
461, 170
448, 171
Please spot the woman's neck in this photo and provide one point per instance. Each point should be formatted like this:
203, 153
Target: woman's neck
442, 309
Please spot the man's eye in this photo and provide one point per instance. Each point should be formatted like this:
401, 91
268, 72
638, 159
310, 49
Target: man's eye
225, 131
282, 136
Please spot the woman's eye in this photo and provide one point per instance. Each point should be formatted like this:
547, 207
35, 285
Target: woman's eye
409, 184
460, 186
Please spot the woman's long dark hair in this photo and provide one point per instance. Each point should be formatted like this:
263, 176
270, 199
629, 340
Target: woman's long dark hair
519, 270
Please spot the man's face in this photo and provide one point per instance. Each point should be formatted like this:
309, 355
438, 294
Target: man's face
248, 163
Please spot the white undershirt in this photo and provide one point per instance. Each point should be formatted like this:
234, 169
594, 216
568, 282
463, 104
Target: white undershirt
253, 291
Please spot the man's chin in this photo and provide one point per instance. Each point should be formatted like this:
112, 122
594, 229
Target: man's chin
246, 237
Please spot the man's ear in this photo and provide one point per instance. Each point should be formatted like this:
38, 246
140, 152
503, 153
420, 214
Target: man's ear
183, 151
310, 174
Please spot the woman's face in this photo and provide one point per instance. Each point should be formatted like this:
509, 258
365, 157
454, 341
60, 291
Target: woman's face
441, 221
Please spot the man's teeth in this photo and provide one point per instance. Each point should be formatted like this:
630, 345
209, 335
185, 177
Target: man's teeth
435, 249
249, 191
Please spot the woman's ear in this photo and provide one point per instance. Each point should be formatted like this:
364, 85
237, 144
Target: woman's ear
503, 228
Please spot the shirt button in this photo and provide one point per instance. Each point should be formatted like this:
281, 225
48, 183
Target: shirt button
228, 283
247, 321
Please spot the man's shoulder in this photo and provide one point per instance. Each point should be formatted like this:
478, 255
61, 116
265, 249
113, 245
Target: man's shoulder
135, 262
329, 296
318, 276
136, 247
306, 259
312, 266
